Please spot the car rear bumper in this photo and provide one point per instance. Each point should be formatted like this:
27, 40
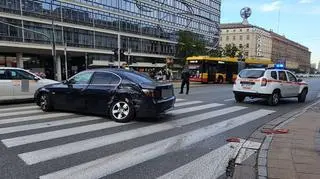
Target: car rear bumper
152, 108
251, 94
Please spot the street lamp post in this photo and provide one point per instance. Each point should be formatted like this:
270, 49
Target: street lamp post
54, 52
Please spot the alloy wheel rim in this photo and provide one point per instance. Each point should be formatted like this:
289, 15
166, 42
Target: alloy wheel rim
43, 102
120, 110
275, 98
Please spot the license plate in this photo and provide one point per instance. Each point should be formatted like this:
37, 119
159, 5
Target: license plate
166, 93
246, 86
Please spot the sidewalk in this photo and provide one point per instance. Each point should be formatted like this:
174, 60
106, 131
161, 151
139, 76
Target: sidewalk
296, 155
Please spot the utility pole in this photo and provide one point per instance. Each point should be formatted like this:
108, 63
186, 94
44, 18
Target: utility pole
54, 52
65, 60
118, 50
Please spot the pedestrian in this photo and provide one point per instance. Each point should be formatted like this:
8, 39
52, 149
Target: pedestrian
185, 75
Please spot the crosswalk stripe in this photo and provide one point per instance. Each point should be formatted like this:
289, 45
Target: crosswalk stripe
19, 113
178, 100
7, 130
18, 108
208, 166
79, 146
12, 142
35, 117
187, 103
114, 163
194, 108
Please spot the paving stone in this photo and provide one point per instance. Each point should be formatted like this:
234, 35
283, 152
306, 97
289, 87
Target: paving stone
262, 171
306, 168
283, 164
307, 176
262, 161
279, 155
263, 153
281, 173
242, 171
304, 159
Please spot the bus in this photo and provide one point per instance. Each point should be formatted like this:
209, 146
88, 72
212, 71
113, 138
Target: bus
207, 69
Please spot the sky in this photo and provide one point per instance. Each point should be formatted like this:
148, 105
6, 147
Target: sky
299, 20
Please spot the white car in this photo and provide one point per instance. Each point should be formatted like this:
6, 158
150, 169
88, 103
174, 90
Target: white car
18, 84
271, 84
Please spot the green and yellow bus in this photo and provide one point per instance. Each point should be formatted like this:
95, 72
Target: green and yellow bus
207, 69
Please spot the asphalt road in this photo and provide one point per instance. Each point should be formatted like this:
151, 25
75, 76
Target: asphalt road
187, 142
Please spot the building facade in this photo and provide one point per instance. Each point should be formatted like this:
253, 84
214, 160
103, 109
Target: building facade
294, 54
88, 31
256, 42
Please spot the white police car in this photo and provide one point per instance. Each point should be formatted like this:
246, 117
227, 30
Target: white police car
271, 84
18, 84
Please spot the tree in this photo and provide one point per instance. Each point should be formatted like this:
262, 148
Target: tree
218, 52
231, 50
189, 44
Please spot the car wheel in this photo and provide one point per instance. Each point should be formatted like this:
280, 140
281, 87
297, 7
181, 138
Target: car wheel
121, 111
239, 98
45, 103
302, 96
274, 99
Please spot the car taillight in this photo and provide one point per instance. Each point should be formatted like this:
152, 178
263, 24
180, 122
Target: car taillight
264, 82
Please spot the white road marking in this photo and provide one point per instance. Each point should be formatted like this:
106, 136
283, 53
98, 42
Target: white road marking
18, 108
194, 108
12, 142
187, 103
114, 163
35, 117
75, 147
26, 127
213, 164
19, 113
178, 100
209, 166
231, 99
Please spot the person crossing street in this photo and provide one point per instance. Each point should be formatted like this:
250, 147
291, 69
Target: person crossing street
185, 75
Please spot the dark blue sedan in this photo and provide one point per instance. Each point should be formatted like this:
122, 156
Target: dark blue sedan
118, 93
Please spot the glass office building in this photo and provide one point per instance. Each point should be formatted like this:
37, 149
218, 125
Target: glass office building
88, 31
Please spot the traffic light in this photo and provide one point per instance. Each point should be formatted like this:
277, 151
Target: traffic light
115, 54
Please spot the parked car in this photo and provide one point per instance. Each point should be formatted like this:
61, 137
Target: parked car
119, 93
19, 84
271, 84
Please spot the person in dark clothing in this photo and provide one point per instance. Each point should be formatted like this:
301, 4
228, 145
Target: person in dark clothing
185, 75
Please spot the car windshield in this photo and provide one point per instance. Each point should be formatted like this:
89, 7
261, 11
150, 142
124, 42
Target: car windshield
139, 77
251, 73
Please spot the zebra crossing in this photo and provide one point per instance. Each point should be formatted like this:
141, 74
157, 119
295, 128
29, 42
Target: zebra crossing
26, 140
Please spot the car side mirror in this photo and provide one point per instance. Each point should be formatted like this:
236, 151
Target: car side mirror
299, 80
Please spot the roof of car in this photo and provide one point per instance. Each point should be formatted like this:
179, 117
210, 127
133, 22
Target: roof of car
118, 71
11, 68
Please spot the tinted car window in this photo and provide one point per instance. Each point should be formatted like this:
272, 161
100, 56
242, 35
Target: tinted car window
251, 73
274, 75
105, 78
291, 77
138, 78
282, 76
21, 75
3, 75
81, 78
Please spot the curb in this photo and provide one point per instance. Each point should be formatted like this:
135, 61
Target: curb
260, 165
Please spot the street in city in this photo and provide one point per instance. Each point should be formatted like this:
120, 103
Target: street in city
186, 142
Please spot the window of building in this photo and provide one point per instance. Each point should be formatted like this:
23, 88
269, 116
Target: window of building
227, 38
246, 54
248, 37
240, 46
234, 38
247, 45
240, 37
240, 30
247, 30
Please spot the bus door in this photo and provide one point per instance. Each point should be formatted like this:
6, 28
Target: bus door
210, 73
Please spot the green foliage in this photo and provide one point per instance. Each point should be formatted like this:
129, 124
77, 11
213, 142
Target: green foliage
189, 44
